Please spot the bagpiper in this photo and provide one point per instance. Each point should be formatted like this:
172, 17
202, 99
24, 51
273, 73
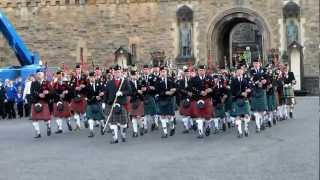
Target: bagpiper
184, 93
201, 104
288, 94
62, 98
240, 87
136, 105
41, 93
78, 103
271, 96
165, 88
116, 97
94, 94
259, 97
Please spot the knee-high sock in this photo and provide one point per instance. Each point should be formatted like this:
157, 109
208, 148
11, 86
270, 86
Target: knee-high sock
216, 123
59, 123
91, 124
200, 122
285, 111
164, 121
190, 120
258, 119
114, 129
36, 126
123, 129
171, 119
185, 121
246, 123
135, 124
270, 116
156, 120
77, 118
145, 121
238, 125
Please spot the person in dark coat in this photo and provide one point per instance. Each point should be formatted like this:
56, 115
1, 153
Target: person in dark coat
240, 88
2, 99
41, 93
166, 90
11, 94
288, 94
94, 93
19, 101
117, 113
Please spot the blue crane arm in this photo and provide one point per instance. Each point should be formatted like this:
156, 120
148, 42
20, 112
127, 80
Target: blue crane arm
23, 54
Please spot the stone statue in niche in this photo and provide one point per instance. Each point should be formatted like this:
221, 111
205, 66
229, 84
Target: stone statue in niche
185, 39
292, 32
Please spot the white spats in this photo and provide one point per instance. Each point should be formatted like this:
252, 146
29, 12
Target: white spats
36, 126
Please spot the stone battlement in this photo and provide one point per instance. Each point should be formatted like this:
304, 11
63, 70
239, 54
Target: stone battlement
36, 3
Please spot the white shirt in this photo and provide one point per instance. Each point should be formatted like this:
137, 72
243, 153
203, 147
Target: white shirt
27, 88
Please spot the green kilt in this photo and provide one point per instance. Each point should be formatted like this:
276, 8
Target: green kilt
228, 104
220, 111
240, 107
150, 106
259, 100
94, 111
272, 103
122, 117
166, 106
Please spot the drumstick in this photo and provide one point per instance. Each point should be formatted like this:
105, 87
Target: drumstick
114, 101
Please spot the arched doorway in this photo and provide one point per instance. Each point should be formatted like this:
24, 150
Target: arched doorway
221, 39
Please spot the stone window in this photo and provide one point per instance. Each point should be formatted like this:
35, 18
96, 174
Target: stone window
185, 25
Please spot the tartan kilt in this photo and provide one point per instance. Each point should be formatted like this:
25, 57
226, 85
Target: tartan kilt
207, 112
272, 102
139, 111
121, 118
43, 115
240, 107
94, 111
220, 111
78, 107
166, 106
228, 104
288, 92
290, 101
150, 106
62, 114
259, 100
185, 111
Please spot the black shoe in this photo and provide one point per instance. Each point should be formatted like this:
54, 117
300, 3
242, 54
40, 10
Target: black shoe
114, 141
200, 136
37, 136
123, 139
164, 136
153, 127
48, 131
91, 135
172, 132
208, 131
86, 124
101, 130
185, 131
59, 131
246, 134
69, 126
274, 121
269, 124
141, 132
224, 127
290, 115
97, 125
135, 135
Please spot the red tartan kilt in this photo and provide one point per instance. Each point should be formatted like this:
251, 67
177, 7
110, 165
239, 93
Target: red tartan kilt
207, 112
78, 107
186, 111
43, 115
136, 112
63, 114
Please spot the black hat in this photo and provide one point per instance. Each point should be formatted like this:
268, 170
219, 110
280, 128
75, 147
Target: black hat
91, 74
239, 67
186, 70
78, 66
163, 68
256, 60
97, 68
107, 71
58, 72
133, 73
117, 67
202, 67
145, 66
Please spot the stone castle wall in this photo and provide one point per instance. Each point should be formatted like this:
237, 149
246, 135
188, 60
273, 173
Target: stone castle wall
58, 28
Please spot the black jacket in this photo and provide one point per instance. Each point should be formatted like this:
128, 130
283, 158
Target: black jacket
111, 90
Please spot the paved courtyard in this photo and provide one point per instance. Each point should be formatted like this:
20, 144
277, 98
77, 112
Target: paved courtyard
287, 151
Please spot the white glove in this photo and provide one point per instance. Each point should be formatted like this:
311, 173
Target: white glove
103, 105
119, 93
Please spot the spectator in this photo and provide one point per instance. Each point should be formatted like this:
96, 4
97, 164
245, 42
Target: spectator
19, 101
11, 94
2, 98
